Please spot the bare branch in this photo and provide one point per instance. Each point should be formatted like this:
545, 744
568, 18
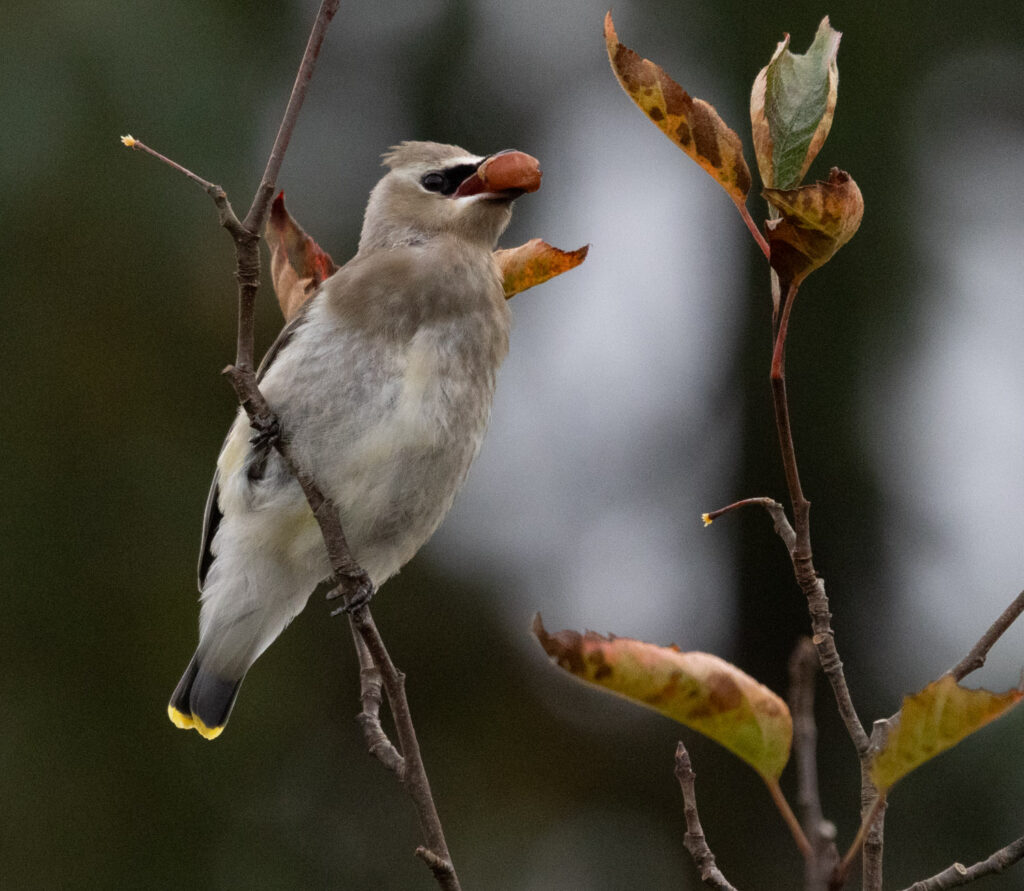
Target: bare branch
803, 669
414, 775
958, 874
376, 667
775, 510
976, 657
694, 839
257, 214
370, 683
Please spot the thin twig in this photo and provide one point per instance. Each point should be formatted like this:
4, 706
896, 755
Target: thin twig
775, 510
414, 776
803, 669
353, 583
813, 588
976, 657
843, 869
370, 683
958, 874
694, 839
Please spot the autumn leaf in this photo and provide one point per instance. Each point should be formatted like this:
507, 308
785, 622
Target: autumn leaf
298, 264
534, 263
815, 222
699, 690
934, 720
691, 124
791, 108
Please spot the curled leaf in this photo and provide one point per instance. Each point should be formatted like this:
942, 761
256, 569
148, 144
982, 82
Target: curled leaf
699, 690
934, 720
691, 124
815, 222
298, 264
534, 263
791, 108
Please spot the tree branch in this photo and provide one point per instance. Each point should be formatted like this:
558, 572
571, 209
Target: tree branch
694, 839
376, 667
976, 657
408, 764
813, 588
958, 874
803, 669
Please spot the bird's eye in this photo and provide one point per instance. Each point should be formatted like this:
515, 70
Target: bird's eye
433, 182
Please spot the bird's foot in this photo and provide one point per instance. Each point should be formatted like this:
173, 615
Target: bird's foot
266, 432
357, 590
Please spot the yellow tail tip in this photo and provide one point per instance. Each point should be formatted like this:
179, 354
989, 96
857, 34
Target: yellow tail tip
191, 722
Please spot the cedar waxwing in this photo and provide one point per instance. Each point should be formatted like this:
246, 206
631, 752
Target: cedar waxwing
383, 384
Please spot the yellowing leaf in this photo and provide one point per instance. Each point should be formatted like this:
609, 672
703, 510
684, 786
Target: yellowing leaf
692, 124
297, 263
699, 690
816, 221
792, 106
534, 263
934, 720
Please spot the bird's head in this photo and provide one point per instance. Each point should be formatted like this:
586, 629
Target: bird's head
434, 189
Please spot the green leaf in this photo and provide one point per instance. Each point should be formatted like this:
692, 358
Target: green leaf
791, 108
699, 690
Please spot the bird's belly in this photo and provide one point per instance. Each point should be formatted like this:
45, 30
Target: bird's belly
395, 474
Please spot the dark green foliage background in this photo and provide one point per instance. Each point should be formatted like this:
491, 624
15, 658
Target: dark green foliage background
117, 314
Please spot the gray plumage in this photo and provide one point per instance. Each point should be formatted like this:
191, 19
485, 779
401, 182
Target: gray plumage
383, 386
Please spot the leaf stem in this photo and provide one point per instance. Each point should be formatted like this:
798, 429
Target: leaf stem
791, 821
762, 242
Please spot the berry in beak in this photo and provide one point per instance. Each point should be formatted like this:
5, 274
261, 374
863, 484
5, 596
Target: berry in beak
505, 175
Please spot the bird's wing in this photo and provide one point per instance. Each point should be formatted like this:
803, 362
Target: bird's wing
212, 515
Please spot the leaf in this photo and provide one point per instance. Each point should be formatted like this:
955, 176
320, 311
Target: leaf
791, 108
692, 124
534, 263
699, 690
934, 720
298, 265
816, 221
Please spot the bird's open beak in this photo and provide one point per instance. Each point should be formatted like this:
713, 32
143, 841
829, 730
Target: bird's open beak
506, 175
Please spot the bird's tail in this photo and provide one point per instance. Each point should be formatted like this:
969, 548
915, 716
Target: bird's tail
203, 699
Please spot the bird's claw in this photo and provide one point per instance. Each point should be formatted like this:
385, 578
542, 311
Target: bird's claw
355, 597
266, 433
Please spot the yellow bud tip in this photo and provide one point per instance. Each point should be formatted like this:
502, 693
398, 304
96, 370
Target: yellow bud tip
707, 519
128, 141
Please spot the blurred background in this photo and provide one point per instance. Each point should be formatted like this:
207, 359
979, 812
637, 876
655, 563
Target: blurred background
634, 398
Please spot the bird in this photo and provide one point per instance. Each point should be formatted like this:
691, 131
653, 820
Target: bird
382, 384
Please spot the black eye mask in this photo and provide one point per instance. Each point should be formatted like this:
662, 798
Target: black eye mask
447, 181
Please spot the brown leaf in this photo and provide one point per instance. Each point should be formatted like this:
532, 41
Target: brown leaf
816, 221
534, 263
298, 265
690, 123
934, 720
699, 690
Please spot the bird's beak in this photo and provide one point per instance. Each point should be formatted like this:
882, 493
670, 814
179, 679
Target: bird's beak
507, 175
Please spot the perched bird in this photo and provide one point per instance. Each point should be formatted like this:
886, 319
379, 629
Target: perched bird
382, 384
